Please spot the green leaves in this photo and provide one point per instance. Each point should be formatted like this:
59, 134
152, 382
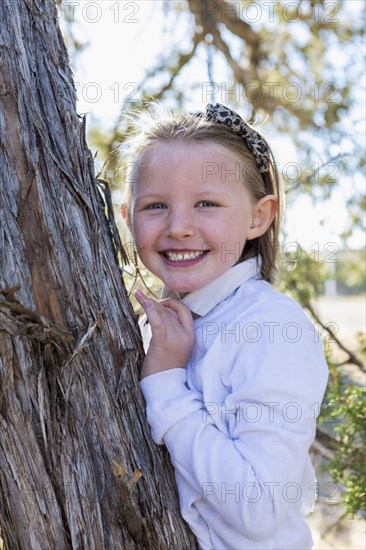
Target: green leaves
346, 404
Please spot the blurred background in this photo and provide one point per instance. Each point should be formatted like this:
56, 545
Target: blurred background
296, 70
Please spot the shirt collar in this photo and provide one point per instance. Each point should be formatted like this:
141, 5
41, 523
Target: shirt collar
205, 299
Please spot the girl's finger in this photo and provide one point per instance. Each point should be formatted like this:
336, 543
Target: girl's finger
148, 303
142, 299
159, 313
151, 309
181, 310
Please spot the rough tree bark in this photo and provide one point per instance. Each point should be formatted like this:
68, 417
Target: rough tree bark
77, 466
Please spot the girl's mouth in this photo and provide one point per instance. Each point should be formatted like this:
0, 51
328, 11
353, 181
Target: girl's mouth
183, 258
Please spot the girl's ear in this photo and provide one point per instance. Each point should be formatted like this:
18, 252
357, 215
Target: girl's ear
262, 216
126, 215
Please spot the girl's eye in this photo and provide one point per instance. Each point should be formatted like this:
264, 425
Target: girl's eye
207, 203
155, 206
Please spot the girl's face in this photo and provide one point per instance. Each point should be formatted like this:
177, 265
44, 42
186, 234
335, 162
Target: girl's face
190, 213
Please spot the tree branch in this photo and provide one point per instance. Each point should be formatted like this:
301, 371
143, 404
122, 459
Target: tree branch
351, 356
175, 69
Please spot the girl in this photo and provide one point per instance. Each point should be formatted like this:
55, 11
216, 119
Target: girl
234, 371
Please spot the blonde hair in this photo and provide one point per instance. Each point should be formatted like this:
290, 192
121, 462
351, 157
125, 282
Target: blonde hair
173, 126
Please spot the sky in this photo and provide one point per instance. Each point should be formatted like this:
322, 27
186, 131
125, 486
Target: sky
124, 39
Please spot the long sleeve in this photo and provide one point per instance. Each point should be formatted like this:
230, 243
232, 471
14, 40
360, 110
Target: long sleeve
241, 458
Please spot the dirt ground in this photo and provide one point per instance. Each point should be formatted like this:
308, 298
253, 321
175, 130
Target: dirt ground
330, 531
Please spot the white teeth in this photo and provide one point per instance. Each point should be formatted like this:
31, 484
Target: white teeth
179, 256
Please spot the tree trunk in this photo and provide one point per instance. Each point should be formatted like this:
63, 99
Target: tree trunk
78, 468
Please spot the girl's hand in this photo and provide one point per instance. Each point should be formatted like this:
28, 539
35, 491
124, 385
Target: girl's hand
172, 334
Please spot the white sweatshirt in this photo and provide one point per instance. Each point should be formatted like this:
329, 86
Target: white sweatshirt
239, 421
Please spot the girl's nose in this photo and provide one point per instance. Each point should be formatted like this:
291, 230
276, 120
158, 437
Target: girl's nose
180, 224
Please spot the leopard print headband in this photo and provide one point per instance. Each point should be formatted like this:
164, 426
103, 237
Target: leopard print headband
253, 140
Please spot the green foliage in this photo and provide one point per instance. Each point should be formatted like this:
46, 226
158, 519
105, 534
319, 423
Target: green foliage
350, 272
296, 81
301, 275
346, 405
362, 344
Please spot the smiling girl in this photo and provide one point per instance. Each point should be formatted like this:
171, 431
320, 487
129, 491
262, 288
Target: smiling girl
233, 369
